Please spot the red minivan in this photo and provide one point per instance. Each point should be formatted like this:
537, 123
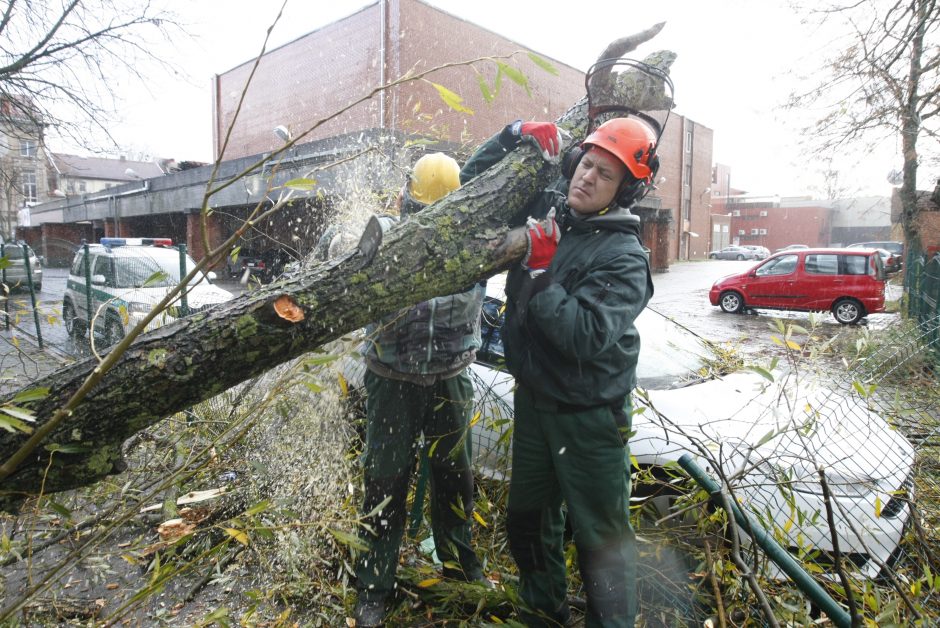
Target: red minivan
848, 282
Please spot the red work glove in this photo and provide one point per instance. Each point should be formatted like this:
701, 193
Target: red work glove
545, 135
541, 242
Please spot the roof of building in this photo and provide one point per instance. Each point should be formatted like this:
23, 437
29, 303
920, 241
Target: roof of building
103, 168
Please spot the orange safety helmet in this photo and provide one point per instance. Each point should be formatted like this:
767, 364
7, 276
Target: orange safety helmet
631, 141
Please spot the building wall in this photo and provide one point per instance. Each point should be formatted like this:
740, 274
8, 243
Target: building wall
685, 173
13, 165
778, 225
314, 76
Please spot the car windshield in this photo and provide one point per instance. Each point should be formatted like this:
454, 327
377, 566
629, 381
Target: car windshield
151, 267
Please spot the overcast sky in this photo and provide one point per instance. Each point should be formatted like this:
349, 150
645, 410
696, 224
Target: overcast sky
732, 73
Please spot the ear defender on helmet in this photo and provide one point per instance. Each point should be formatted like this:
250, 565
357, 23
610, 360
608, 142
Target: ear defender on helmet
570, 161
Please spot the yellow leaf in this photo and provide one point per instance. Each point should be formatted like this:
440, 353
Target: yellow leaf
238, 535
793, 345
479, 519
430, 582
343, 385
476, 418
878, 505
776, 340
452, 100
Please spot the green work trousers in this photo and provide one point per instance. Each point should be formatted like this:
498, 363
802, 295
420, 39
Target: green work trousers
579, 456
397, 414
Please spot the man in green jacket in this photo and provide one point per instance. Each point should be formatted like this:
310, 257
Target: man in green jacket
571, 344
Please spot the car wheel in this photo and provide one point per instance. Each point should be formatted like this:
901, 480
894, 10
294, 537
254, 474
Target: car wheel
731, 302
74, 326
740, 257
848, 311
113, 331
712, 256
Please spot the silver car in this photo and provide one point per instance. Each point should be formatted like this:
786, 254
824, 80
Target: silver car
734, 252
13, 267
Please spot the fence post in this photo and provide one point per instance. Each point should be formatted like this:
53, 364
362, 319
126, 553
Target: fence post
32, 292
184, 303
6, 297
86, 262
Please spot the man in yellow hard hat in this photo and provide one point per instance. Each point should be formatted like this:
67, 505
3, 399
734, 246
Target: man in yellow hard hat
417, 383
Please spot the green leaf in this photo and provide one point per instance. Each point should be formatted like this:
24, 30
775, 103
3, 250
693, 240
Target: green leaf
766, 437
452, 100
350, 540
379, 508
542, 63
158, 277
306, 185
33, 394
259, 507
515, 76
19, 413
62, 510
68, 448
10, 424
762, 372
313, 387
488, 95
234, 254
321, 359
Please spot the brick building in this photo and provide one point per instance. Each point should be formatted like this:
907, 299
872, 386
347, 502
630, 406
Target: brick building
775, 222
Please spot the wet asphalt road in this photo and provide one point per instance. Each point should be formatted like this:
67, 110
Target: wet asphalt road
681, 293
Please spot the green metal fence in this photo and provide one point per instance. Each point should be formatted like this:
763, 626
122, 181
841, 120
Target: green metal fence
923, 281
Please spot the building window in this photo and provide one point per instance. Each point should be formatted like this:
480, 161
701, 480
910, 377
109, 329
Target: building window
736, 212
763, 213
763, 232
755, 231
81, 187
688, 141
28, 186
741, 232
716, 228
27, 148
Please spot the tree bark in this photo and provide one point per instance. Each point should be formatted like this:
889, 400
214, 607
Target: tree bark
464, 238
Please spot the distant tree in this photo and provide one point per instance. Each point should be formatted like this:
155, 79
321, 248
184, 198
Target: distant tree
66, 59
881, 82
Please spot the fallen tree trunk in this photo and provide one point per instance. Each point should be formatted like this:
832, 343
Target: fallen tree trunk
462, 239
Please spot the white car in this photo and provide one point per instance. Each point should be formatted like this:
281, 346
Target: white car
128, 277
768, 440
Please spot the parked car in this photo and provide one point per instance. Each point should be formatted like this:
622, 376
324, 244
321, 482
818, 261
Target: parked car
891, 245
733, 252
848, 282
246, 259
760, 252
778, 434
891, 261
128, 277
13, 268
792, 247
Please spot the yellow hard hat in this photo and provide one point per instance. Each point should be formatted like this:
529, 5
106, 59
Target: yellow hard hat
433, 177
